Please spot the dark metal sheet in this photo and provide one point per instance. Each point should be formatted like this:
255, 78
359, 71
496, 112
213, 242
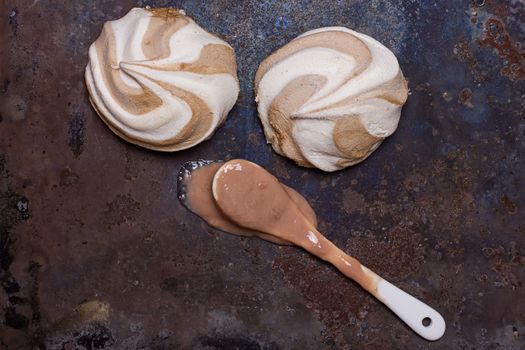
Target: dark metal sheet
96, 251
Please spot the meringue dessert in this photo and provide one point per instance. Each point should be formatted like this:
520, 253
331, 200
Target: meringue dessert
328, 98
159, 80
243, 198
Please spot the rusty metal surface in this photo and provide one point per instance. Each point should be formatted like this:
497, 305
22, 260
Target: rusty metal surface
96, 251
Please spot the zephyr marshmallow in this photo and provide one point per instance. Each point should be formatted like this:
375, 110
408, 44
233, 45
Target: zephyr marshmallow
328, 98
159, 80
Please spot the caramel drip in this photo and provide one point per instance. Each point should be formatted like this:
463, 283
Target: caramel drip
201, 119
196, 128
339, 41
165, 12
357, 147
394, 91
214, 59
361, 144
135, 101
162, 25
285, 104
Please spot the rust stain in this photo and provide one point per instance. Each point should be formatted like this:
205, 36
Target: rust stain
353, 202
475, 5
87, 312
464, 97
414, 182
439, 167
252, 138
123, 209
508, 204
464, 54
68, 177
333, 306
281, 170
345, 305
497, 37
396, 256
506, 262
500, 10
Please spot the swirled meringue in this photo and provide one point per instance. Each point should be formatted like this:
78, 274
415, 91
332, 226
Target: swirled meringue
328, 98
159, 80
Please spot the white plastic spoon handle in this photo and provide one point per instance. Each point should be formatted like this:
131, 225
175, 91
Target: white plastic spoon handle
423, 319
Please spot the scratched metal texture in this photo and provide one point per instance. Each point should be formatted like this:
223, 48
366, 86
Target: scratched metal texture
97, 253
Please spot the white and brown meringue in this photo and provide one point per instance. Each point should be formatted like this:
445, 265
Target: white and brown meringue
159, 80
328, 98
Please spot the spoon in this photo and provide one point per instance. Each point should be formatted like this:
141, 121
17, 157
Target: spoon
253, 198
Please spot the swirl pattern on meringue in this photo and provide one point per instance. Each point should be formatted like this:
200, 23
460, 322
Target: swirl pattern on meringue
159, 80
328, 98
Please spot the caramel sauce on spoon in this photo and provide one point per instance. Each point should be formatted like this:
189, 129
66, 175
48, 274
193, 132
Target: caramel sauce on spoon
241, 197
253, 198
195, 192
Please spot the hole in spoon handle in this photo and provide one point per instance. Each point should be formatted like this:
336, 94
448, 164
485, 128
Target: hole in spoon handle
423, 319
